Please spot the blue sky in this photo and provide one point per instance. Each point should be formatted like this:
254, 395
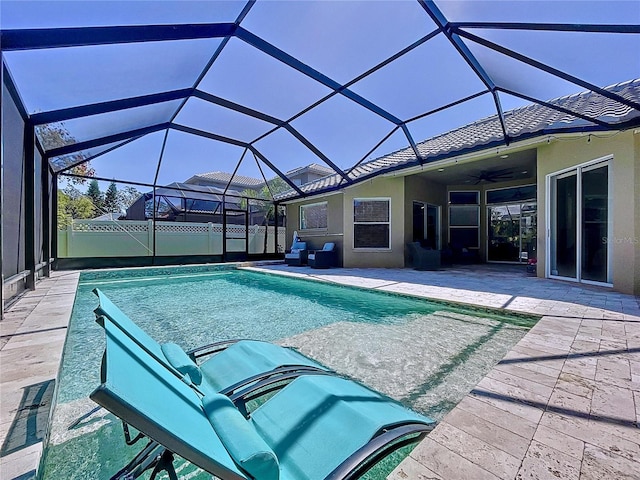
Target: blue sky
341, 39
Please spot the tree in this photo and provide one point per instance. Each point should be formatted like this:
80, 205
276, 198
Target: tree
70, 208
95, 195
127, 197
111, 199
273, 187
54, 135
72, 192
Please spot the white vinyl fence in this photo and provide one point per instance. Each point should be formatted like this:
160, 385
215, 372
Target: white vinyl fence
127, 238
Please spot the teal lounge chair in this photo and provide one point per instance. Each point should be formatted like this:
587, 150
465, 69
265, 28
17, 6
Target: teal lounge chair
230, 366
316, 427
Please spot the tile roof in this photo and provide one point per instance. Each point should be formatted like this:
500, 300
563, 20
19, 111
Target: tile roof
313, 168
521, 123
238, 180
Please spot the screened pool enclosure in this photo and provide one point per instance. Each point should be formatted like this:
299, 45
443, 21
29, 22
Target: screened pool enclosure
146, 98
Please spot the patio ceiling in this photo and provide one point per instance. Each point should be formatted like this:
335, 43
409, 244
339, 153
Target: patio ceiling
485, 172
259, 88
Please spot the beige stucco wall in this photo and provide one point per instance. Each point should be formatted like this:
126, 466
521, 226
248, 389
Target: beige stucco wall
636, 197
340, 223
625, 148
393, 188
316, 238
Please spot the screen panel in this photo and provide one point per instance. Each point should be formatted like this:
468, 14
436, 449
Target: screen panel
52, 79
71, 13
245, 75
594, 57
187, 155
541, 11
324, 35
428, 77
342, 130
218, 120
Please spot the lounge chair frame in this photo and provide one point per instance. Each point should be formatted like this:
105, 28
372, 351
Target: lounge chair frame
159, 457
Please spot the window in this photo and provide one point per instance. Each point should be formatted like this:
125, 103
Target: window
464, 198
372, 223
512, 194
464, 219
313, 216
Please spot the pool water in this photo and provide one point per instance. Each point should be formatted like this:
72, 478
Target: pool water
425, 354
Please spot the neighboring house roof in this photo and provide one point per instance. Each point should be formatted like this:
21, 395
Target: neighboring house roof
192, 191
242, 182
312, 168
522, 123
109, 217
224, 177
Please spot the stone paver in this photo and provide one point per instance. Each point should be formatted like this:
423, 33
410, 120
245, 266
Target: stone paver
33, 334
563, 403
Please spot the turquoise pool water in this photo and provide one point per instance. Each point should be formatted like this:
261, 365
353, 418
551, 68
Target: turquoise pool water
427, 355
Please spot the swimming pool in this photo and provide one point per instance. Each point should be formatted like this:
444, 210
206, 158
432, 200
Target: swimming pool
427, 355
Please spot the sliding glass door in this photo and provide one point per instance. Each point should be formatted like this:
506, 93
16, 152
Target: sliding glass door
564, 218
580, 223
512, 224
426, 224
512, 232
595, 221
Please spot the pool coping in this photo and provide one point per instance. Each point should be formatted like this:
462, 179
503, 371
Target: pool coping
564, 401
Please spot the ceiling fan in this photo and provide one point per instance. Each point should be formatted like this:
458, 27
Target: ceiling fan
493, 176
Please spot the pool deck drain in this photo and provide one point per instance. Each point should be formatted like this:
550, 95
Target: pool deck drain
563, 403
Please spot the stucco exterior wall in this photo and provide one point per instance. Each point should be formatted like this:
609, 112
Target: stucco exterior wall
316, 238
636, 200
392, 188
625, 148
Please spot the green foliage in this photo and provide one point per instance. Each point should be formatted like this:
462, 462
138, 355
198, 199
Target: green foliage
72, 207
111, 199
95, 195
278, 185
56, 135
274, 186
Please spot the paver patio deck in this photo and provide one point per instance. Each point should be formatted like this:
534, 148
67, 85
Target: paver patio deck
563, 403
32, 336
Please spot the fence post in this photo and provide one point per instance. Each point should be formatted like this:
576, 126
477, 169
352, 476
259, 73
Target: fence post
150, 251
69, 238
209, 238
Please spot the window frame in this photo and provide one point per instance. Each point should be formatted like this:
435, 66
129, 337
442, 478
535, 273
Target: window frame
454, 205
300, 216
354, 223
